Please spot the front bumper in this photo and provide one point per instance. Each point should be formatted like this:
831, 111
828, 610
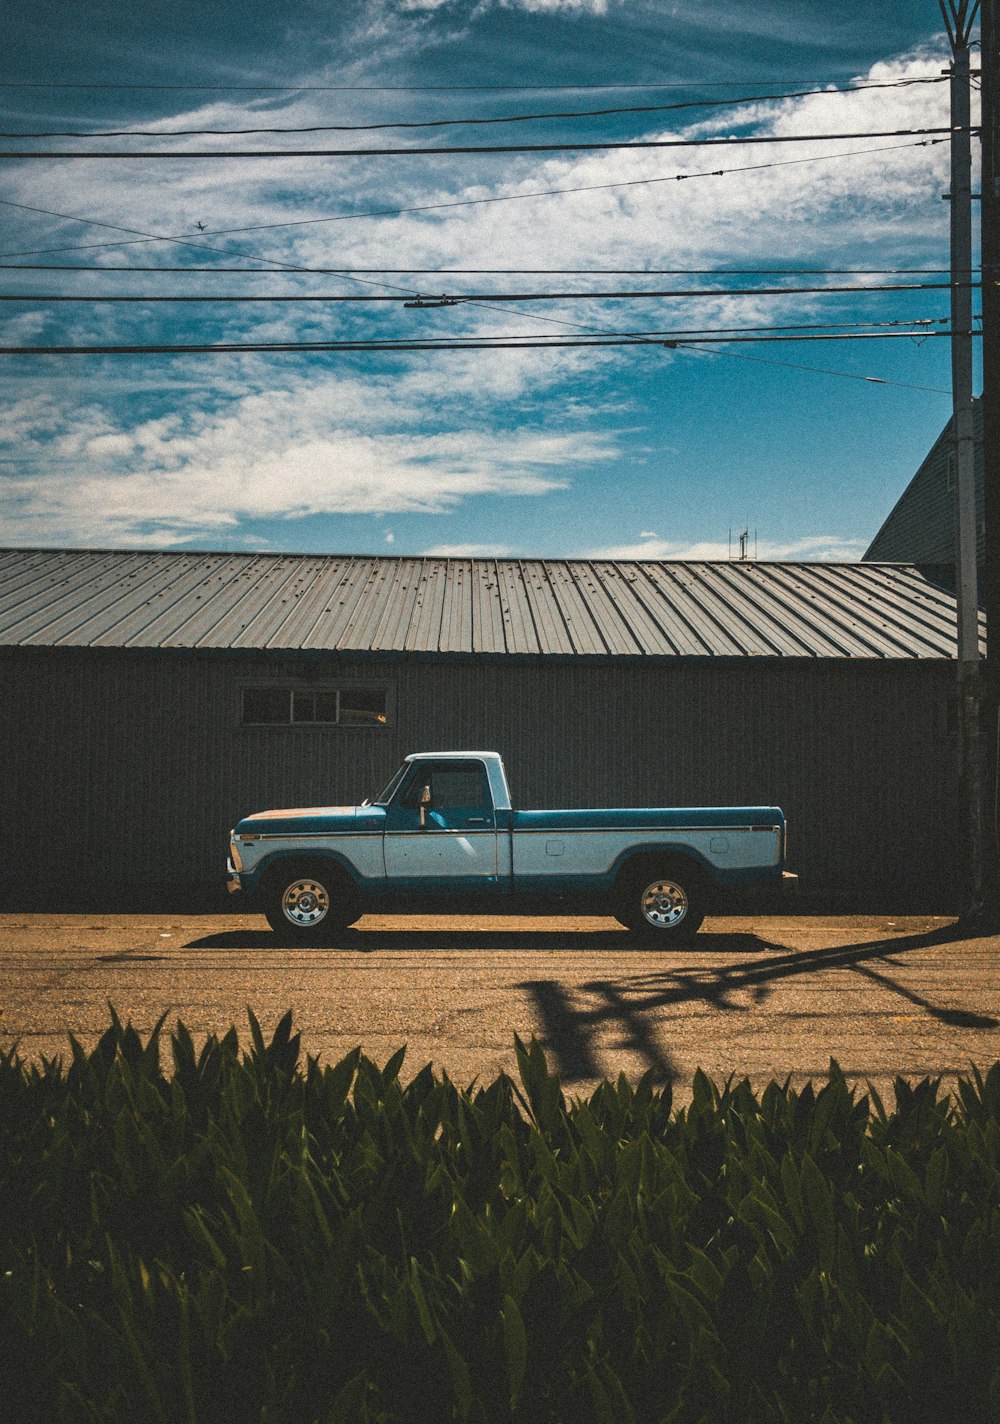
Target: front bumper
234, 881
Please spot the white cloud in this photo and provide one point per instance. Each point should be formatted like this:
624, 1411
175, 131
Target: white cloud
248, 438
540, 7
787, 208
468, 551
818, 548
109, 445
311, 448
560, 7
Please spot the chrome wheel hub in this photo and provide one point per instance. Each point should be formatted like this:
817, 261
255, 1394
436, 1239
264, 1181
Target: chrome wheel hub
664, 904
304, 903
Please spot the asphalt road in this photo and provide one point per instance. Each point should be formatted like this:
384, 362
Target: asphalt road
761, 996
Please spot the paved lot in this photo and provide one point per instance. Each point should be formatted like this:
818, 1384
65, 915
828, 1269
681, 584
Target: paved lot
761, 996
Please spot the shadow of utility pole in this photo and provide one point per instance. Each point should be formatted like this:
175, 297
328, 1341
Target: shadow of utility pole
632, 1001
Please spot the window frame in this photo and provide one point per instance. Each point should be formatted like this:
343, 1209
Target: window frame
425, 771
325, 686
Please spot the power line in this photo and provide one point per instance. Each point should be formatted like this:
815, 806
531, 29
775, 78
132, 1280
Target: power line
273, 262
682, 347
493, 271
471, 298
456, 123
412, 88
698, 350
816, 370
681, 340
452, 150
917, 327
191, 239
920, 324
511, 343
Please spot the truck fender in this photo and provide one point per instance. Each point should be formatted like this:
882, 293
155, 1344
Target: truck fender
655, 856
272, 864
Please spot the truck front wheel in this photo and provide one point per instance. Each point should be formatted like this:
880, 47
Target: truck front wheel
661, 904
306, 903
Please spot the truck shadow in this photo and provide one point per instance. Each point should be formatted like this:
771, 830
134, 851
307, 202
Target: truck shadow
365, 941
574, 1016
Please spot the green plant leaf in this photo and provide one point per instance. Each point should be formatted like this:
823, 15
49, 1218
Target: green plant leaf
516, 1345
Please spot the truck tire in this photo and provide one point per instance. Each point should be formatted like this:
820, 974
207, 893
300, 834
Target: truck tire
307, 902
661, 903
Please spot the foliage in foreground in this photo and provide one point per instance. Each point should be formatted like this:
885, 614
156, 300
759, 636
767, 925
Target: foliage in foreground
244, 1239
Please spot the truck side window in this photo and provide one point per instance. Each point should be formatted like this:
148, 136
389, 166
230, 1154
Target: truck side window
454, 786
458, 788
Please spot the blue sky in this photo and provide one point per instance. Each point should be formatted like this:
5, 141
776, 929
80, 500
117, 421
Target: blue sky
614, 451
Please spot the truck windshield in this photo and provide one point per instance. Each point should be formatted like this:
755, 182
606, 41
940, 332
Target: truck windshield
386, 796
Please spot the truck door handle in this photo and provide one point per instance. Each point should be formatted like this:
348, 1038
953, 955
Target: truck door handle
478, 821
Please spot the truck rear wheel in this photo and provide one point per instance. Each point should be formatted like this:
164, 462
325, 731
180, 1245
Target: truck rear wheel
306, 903
661, 904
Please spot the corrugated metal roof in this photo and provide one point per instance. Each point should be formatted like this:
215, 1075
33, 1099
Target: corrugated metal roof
570, 607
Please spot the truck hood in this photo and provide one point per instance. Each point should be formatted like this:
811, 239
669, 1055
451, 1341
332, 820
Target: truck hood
312, 820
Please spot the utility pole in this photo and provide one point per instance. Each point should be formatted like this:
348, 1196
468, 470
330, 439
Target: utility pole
959, 16
990, 256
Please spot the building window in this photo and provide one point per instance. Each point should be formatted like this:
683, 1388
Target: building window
314, 706
350, 706
266, 704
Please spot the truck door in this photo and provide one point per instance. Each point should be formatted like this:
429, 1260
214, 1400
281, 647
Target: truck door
441, 827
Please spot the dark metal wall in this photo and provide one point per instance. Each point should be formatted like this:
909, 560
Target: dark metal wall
128, 769
920, 528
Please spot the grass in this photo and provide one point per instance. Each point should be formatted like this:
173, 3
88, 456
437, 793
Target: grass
244, 1236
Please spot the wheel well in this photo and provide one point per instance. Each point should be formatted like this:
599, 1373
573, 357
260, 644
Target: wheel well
655, 863
286, 868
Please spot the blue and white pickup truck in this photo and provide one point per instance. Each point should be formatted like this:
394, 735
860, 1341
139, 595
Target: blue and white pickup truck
445, 826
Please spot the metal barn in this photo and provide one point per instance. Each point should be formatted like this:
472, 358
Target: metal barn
920, 527
149, 699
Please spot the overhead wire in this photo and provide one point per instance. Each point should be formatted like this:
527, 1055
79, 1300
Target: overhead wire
411, 88
482, 300
476, 343
476, 298
814, 370
917, 327
191, 239
490, 271
274, 264
453, 150
685, 347
675, 340
461, 122
604, 340
695, 348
